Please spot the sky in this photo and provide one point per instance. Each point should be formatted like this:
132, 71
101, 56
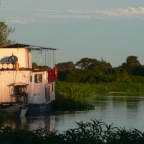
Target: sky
109, 30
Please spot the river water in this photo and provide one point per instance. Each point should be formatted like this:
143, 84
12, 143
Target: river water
121, 109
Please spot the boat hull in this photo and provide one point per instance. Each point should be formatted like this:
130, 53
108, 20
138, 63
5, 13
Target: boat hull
34, 109
17, 110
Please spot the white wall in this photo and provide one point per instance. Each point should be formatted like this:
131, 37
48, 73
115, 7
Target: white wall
7, 79
36, 91
23, 55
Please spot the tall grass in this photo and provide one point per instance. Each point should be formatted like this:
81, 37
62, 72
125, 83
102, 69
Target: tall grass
74, 96
84, 90
70, 96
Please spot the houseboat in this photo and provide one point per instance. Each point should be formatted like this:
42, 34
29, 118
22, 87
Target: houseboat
21, 84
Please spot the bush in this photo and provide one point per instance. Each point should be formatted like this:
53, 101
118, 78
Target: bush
3, 116
94, 132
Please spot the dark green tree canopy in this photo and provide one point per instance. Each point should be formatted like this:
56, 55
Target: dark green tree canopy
4, 33
65, 66
131, 62
84, 63
95, 71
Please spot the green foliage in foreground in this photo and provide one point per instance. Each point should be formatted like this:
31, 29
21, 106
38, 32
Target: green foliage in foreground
94, 132
3, 116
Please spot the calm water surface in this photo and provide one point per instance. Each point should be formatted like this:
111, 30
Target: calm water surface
122, 110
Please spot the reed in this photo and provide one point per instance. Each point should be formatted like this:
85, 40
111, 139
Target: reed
72, 97
75, 96
85, 90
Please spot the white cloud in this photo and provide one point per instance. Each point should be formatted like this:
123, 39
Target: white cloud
131, 12
20, 20
128, 12
39, 15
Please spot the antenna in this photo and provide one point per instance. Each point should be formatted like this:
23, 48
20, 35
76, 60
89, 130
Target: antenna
45, 60
53, 58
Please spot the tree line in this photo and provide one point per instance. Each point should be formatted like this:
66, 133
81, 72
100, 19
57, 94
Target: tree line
95, 71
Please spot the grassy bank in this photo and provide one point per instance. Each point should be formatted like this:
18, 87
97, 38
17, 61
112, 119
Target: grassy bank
70, 96
94, 132
74, 96
84, 90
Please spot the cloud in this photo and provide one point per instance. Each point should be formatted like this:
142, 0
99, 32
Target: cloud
19, 20
131, 12
128, 12
41, 15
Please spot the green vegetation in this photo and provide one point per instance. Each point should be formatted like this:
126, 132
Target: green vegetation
71, 96
78, 82
4, 33
3, 116
75, 96
35, 66
89, 70
94, 132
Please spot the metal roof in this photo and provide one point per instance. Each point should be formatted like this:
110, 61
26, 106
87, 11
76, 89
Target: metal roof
32, 47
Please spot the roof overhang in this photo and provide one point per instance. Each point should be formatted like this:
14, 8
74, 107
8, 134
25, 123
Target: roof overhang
31, 47
20, 84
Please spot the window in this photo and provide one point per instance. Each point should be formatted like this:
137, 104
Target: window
38, 78
30, 78
53, 85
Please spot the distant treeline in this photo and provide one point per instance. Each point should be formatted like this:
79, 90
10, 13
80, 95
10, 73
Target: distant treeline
89, 70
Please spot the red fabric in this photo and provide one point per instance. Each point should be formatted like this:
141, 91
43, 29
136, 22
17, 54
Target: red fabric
52, 75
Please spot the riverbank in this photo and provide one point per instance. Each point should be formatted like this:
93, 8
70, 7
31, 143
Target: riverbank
75, 96
72, 96
85, 90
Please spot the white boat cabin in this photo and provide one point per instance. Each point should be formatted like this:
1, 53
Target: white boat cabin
19, 82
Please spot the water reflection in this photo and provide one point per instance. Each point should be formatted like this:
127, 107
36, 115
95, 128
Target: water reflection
131, 101
123, 110
33, 123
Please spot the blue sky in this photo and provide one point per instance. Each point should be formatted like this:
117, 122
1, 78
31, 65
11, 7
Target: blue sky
110, 30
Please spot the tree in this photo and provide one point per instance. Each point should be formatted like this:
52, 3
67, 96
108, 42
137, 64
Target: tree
4, 33
65, 66
131, 62
43, 67
121, 75
84, 63
34, 65
139, 70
